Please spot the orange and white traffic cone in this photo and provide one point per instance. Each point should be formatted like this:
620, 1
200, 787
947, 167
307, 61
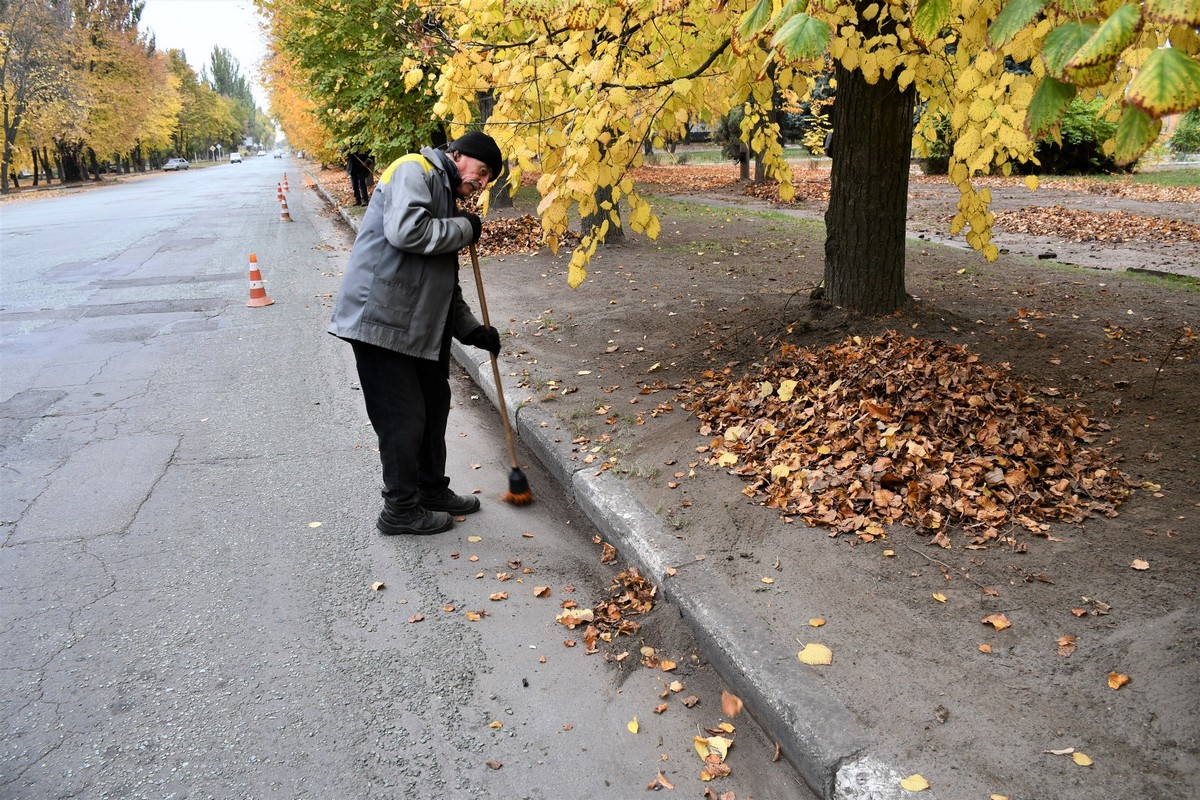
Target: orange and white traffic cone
284, 216
258, 293
279, 191
285, 186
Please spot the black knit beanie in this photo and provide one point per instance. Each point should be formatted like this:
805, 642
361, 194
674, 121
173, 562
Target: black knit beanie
481, 146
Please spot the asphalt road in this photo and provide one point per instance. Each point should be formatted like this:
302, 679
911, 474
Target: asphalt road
189, 564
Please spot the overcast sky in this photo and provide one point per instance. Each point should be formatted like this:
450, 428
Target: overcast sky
196, 26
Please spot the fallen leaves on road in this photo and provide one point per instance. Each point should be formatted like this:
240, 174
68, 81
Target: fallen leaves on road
887, 429
713, 750
816, 655
659, 782
997, 621
1066, 645
1116, 680
914, 783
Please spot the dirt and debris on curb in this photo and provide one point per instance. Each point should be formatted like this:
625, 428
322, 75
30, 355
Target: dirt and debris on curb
979, 708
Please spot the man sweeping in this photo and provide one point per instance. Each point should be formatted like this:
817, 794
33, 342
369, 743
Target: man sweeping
399, 306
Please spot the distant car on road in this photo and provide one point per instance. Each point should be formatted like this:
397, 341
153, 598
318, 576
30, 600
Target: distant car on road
235, 157
176, 164
278, 154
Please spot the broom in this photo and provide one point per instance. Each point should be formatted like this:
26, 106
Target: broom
518, 493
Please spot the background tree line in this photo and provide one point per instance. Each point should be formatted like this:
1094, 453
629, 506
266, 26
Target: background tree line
84, 91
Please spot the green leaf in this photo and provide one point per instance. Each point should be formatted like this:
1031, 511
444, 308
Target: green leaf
754, 21
1168, 83
1062, 43
1110, 39
1016, 15
1135, 133
931, 16
801, 38
1178, 12
1047, 106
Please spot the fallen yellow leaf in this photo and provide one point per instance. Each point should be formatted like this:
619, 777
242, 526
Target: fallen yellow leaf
474, 539
676, 686
941, 598
816, 655
816, 622
998, 797
889, 553
314, 524
997, 621
1081, 759
713, 745
497, 725
633, 725
377, 585
914, 783
985, 648
768, 580
1139, 564
1116, 680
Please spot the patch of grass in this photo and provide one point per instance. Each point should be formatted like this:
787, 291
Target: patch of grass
1159, 177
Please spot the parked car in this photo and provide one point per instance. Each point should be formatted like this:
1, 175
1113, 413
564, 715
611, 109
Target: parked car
235, 157
278, 154
176, 164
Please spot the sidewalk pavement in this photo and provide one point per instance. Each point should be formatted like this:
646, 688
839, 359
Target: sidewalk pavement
837, 755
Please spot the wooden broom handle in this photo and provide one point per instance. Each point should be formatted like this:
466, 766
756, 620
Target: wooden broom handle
508, 435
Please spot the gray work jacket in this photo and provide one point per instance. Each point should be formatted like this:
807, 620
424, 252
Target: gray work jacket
400, 286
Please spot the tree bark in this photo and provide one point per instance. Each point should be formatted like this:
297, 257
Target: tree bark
615, 234
868, 196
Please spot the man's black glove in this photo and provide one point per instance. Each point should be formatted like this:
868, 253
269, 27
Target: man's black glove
476, 224
485, 337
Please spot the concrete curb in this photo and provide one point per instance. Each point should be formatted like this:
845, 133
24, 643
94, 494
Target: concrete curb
835, 754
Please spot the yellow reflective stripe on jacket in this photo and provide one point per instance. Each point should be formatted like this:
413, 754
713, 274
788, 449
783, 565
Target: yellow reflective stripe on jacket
387, 173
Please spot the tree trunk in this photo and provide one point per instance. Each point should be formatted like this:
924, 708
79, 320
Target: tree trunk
70, 170
615, 234
868, 195
46, 165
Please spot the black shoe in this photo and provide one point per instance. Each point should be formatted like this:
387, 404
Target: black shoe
415, 521
446, 500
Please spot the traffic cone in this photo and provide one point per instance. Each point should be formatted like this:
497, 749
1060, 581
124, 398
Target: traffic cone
279, 191
285, 186
258, 294
284, 216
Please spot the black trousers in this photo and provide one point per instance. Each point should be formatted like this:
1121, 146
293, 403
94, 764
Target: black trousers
408, 403
362, 190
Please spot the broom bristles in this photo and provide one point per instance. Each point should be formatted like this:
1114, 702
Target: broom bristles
518, 498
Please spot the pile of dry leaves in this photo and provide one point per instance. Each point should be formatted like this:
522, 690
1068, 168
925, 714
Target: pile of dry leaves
1090, 226
523, 234
881, 430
